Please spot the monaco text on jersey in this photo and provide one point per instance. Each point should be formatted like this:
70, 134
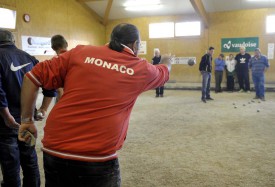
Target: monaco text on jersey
104, 64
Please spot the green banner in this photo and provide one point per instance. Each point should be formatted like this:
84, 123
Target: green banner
234, 44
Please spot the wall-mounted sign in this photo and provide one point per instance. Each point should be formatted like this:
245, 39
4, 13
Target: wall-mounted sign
182, 60
234, 44
37, 45
270, 51
143, 48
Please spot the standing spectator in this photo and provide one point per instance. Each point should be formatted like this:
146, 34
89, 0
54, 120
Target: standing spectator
230, 72
259, 65
219, 68
87, 127
13, 153
59, 45
156, 61
242, 70
206, 69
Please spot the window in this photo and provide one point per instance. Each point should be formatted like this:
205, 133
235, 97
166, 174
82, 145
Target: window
188, 28
270, 26
7, 18
161, 30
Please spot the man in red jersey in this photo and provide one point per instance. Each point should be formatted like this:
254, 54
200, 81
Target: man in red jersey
89, 123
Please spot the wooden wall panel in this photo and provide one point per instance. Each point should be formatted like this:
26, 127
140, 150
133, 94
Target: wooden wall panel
244, 23
66, 17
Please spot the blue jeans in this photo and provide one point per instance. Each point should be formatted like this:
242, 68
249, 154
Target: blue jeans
71, 173
259, 80
14, 153
206, 79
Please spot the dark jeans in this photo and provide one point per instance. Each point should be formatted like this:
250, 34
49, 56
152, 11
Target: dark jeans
230, 83
259, 80
206, 80
159, 90
218, 80
243, 78
14, 153
70, 173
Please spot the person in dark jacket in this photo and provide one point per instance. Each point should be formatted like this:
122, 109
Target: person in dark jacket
205, 69
242, 69
156, 61
14, 63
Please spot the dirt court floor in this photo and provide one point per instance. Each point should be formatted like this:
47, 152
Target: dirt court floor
178, 141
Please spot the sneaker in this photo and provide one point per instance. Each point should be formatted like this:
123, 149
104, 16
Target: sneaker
161, 95
262, 99
241, 91
256, 97
157, 95
203, 100
209, 98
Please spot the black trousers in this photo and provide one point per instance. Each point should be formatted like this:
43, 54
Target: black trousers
71, 173
243, 78
160, 90
13, 154
218, 79
230, 83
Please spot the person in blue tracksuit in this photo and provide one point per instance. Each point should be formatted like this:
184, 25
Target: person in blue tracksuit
219, 68
259, 65
14, 63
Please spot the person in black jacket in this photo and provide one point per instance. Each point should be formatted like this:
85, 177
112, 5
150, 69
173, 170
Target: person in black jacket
205, 69
14, 63
156, 61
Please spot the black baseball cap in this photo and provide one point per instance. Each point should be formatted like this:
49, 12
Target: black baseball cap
6, 36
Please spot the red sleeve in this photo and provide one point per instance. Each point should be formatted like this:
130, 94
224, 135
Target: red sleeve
157, 76
50, 74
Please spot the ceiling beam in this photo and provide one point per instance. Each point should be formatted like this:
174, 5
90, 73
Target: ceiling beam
92, 12
107, 12
199, 8
90, 0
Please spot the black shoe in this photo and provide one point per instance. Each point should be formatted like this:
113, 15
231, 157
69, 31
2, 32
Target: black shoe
203, 100
161, 95
209, 98
262, 99
157, 95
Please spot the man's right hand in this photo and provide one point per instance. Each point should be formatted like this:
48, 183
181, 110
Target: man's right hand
10, 122
167, 60
30, 126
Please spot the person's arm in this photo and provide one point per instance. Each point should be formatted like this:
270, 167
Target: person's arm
8, 118
29, 92
202, 63
4, 110
49, 75
158, 75
47, 99
59, 94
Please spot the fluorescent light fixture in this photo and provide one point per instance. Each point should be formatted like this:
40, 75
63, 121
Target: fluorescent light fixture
270, 26
141, 2
7, 18
143, 8
142, 5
